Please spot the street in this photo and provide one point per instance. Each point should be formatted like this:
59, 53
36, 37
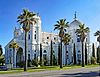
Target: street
77, 72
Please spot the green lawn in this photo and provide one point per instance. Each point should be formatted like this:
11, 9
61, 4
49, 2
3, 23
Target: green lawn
43, 68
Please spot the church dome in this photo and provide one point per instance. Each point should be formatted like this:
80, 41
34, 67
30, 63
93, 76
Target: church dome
74, 24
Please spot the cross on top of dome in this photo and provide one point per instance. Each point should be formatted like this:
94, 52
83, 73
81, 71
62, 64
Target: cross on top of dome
75, 17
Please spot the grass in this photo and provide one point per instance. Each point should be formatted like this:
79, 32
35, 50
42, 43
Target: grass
43, 68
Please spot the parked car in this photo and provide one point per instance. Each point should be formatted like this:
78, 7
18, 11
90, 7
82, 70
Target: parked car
3, 68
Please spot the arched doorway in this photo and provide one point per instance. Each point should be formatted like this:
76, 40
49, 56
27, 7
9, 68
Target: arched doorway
19, 57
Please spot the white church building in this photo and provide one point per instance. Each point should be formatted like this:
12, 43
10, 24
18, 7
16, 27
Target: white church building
37, 37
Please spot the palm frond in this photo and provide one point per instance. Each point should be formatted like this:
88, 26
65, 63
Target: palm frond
82, 32
97, 33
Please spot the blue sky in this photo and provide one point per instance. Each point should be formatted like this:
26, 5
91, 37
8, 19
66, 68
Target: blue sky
88, 12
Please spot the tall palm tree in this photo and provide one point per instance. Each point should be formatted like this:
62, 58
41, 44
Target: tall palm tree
26, 19
82, 32
98, 49
66, 40
13, 45
61, 26
1, 50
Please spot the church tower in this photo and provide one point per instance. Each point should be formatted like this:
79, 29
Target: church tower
34, 37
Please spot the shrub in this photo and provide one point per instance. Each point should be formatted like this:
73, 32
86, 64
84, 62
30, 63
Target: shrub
20, 64
93, 60
54, 60
34, 62
29, 63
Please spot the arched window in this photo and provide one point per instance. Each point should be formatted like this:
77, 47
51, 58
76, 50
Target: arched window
66, 51
29, 36
47, 37
28, 56
35, 36
45, 51
34, 50
78, 39
79, 51
54, 38
34, 56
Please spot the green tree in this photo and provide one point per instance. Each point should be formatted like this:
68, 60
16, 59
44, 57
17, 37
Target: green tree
98, 55
82, 32
66, 40
54, 59
61, 26
1, 52
13, 45
26, 19
2, 59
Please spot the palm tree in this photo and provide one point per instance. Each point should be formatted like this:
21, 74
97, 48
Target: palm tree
14, 45
82, 32
61, 26
1, 50
66, 40
98, 49
26, 19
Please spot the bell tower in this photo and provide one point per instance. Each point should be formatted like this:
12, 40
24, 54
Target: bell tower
35, 32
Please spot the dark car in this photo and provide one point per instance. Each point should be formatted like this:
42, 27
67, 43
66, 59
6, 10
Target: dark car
3, 68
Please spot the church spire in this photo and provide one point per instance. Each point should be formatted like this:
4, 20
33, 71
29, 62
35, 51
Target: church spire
75, 17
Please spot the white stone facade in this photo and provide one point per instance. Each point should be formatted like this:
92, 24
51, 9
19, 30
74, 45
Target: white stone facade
37, 37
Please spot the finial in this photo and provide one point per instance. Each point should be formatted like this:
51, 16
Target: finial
75, 15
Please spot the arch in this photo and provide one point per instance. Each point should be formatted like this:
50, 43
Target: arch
19, 56
45, 51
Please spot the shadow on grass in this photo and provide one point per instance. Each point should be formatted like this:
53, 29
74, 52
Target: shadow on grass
89, 74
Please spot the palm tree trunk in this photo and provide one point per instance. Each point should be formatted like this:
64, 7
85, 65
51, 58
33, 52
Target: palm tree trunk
93, 50
66, 55
51, 55
61, 54
58, 54
82, 55
25, 65
74, 54
85, 54
41, 54
13, 56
